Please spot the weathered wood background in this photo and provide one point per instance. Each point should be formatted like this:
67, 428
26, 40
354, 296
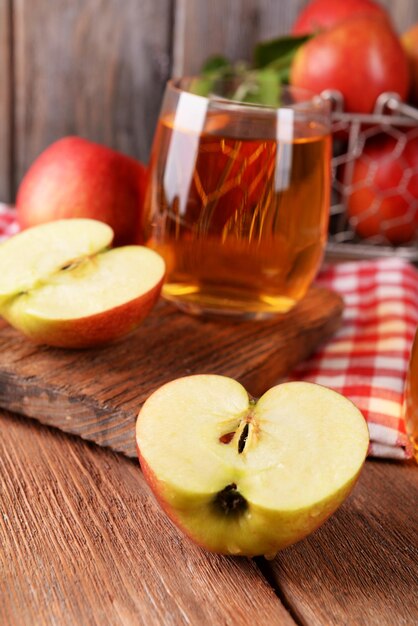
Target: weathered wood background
97, 68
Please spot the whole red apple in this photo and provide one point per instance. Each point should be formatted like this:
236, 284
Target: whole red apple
74, 177
384, 200
323, 14
361, 57
409, 41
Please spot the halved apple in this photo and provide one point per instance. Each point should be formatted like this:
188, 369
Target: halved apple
36, 253
248, 477
60, 284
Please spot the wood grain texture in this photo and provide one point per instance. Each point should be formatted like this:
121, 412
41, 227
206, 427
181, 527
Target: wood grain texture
6, 95
92, 68
97, 394
229, 28
98, 68
83, 542
361, 568
404, 13
233, 28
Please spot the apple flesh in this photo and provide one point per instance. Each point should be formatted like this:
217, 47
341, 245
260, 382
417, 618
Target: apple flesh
28, 257
324, 14
76, 178
248, 477
361, 57
60, 285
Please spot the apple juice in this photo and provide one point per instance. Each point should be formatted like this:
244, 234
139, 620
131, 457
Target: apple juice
411, 399
239, 216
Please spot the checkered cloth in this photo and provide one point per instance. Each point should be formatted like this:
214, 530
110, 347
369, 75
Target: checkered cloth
367, 358
8, 224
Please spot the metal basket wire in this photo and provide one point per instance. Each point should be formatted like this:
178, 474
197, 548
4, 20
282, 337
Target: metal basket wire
350, 133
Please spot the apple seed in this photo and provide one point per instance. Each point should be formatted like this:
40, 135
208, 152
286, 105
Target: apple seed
227, 437
230, 502
243, 438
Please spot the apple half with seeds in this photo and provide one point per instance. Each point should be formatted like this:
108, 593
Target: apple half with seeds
247, 477
61, 285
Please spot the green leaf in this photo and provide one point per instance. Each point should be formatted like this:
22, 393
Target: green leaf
260, 87
278, 51
201, 86
215, 64
270, 87
215, 67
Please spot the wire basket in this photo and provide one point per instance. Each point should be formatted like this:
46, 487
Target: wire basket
351, 133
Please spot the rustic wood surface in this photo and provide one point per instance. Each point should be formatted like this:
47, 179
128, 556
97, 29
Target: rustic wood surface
98, 69
232, 28
368, 556
83, 542
94, 68
6, 93
97, 393
228, 28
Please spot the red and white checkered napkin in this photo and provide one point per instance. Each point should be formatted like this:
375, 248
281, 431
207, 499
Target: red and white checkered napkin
8, 224
367, 358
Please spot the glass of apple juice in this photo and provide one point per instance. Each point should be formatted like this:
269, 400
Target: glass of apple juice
411, 398
238, 195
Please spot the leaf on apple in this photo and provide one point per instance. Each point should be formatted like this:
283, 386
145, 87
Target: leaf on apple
259, 84
277, 54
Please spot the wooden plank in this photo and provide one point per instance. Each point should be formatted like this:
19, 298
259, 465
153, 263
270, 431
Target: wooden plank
5, 100
361, 567
83, 542
404, 13
97, 394
232, 28
229, 28
91, 68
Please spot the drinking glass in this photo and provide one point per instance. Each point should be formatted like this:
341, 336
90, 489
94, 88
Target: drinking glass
411, 398
238, 195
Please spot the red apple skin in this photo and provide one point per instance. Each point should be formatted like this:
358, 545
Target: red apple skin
74, 177
324, 14
310, 523
94, 330
376, 173
409, 40
361, 57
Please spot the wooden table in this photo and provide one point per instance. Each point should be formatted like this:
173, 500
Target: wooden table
83, 542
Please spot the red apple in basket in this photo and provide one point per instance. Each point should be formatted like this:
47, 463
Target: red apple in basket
74, 177
61, 285
361, 57
384, 197
244, 476
409, 41
323, 14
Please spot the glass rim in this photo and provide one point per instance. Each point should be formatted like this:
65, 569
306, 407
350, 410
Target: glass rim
310, 102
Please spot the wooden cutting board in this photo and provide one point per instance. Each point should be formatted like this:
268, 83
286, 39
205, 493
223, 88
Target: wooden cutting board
97, 394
